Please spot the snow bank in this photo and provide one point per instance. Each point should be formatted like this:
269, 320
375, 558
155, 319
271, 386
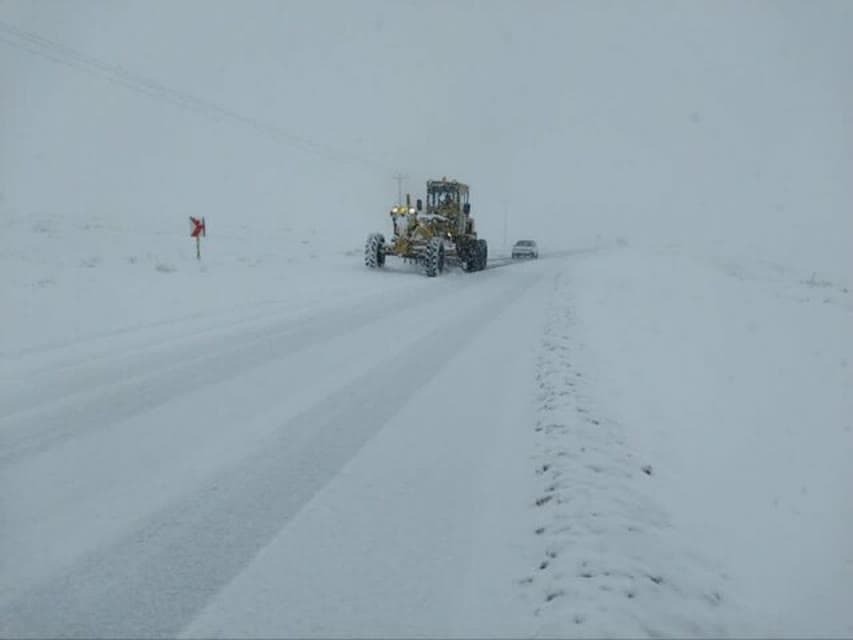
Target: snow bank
696, 430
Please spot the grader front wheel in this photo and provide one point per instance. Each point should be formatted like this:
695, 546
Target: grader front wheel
374, 251
434, 258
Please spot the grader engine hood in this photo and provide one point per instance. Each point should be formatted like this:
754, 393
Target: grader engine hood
403, 219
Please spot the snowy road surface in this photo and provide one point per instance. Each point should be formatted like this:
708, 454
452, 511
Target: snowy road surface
139, 484
507, 453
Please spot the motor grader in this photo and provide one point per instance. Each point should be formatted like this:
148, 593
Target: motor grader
435, 236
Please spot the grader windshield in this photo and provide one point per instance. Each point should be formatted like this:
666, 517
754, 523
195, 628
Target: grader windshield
443, 195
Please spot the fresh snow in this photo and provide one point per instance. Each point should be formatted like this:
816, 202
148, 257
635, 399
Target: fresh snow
617, 442
647, 432
693, 429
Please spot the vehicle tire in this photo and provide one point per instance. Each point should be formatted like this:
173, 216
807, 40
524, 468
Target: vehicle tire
482, 254
471, 260
374, 251
434, 257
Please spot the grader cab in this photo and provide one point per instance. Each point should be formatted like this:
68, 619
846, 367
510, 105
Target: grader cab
435, 235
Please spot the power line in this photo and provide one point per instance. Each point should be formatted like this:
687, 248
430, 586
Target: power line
36, 44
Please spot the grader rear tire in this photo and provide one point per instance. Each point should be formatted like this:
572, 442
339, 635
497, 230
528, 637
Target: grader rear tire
482, 254
471, 260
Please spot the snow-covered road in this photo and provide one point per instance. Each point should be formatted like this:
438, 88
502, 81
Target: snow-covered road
140, 483
528, 450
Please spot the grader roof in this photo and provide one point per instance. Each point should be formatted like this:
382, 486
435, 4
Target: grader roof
446, 185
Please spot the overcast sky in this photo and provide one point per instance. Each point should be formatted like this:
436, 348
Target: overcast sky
719, 122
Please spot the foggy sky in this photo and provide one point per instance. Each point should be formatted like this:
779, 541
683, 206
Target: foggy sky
723, 124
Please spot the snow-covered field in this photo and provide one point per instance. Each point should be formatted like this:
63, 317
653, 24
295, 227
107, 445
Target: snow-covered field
276, 441
695, 430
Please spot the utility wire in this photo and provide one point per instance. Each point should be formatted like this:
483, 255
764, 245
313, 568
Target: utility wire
36, 44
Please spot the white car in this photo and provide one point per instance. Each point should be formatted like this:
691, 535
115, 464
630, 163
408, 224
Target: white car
525, 249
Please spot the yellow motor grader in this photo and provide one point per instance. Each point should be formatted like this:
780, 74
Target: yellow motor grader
440, 234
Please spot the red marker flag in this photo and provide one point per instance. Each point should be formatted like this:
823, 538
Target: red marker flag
198, 227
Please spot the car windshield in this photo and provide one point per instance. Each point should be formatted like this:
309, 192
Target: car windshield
524, 243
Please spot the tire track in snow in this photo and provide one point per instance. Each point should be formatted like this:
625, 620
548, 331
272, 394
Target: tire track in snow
82, 373
610, 564
188, 325
156, 579
105, 397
